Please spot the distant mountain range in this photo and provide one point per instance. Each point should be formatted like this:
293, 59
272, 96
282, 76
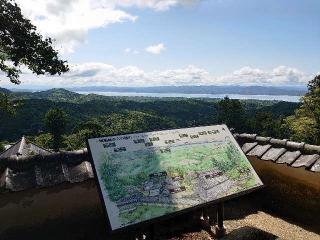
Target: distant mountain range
4, 90
243, 90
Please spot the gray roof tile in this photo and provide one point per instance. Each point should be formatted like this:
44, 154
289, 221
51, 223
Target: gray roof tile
20, 180
263, 139
79, 172
312, 148
295, 145
249, 136
248, 146
3, 180
305, 160
259, 150
273, 154
316, 166
49, 174
289, 157
279, 142
23, 148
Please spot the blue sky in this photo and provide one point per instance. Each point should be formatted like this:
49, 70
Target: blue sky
220, 36
247, 42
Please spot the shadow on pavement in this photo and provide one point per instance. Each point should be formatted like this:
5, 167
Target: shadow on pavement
249, 233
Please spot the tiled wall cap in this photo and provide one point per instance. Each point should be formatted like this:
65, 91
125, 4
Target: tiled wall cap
79, 152
248, 136
316, 166
289, 157
73, 156
273, 154
305, 161
236, 135
312, 148
259, 150
57, 156
295, 145
248, 146
280, 142
263, 139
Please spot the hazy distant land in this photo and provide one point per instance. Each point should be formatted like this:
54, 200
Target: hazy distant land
242, 90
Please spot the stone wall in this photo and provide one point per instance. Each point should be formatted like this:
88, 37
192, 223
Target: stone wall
291, 192
66, 211
73, 211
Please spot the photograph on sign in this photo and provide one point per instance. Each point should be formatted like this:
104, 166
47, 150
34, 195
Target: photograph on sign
143, 176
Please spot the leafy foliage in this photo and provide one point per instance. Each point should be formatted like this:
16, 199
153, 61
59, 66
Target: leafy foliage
44, 140
56, 121
304, 125
1, 147
6, 107
231, 112
20, 44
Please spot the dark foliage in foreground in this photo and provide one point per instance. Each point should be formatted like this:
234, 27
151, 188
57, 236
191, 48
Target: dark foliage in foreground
21, 44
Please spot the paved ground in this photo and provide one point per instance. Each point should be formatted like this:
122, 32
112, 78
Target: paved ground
246, 218
255, 226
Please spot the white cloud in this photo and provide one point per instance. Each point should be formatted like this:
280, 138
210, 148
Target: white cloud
129, 50
155, 49
68, 21
101, 74
159, 5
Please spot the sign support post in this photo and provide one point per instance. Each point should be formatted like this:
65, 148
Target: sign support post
220, 230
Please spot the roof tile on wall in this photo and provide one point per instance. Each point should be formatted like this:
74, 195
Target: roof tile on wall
79, 172
248, 146
312, 148
263, 139
90, 171
248, 136
3, 180
305, 160
289, 157
295, 145
259, 150
20, 180
316, 166
273, 154
51, 174
279, 142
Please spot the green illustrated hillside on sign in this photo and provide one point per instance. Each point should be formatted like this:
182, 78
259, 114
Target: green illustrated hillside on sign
148, 175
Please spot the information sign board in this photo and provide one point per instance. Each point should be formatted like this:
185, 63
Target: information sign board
145, 176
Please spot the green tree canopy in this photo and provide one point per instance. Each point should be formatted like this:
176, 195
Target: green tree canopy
304, 125
1, 147
56, 122
231, 112
21, 44
6, 106
314, 84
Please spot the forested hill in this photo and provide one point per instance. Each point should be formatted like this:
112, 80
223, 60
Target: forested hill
128, 114
55, 94
4, 90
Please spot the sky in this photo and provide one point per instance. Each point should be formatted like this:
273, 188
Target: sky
178, 42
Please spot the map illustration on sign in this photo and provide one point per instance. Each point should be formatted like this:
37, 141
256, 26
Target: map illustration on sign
143, 176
